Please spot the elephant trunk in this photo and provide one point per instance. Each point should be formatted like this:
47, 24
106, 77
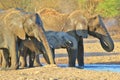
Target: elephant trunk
46, 45
107, 43
42, 37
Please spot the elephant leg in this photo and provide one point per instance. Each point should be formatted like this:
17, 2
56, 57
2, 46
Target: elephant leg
46, 56
37, 61
22, 62
5, 58
53, 53
80, 55
72, 56
31, 58
23, 57
0, 58
14, 58
4, 61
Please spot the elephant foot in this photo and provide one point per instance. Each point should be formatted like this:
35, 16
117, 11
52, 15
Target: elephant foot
51, 65
13, 67
30, 66
37, 65
4, 69
40, 65
72, 65
22, 67
80, 67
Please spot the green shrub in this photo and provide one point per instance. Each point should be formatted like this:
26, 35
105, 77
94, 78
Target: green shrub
109, 8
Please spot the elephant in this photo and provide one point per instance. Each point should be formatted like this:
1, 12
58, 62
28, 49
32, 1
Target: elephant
56, 40
15, 26
31, 48
0, 58
79, 25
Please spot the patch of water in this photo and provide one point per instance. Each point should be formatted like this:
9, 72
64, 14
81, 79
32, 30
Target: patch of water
103, 67
99, 67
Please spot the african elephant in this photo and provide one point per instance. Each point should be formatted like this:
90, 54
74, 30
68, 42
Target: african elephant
62, 40
31, 48
17, 25
78, 25
56, 40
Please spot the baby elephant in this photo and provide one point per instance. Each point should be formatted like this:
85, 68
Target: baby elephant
63, 40
30, 48
56, 40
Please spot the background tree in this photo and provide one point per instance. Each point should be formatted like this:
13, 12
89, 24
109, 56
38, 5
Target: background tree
109, 8
106, 8
23, 4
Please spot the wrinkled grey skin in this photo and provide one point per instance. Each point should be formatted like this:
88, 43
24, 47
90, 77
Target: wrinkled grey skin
14, 26
78, 25
62, 40
56, 40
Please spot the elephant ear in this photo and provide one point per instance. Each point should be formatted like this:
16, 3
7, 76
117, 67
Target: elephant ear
19, 31
79, 23
81, 29
17, 27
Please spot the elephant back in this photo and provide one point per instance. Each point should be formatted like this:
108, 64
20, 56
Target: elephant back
52, 19
12, 19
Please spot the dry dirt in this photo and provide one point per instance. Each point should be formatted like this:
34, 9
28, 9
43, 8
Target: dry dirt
93, 54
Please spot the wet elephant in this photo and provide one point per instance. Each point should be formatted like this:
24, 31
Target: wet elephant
16, 25
79, 26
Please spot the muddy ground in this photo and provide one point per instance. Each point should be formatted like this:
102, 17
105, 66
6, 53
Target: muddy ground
94, 54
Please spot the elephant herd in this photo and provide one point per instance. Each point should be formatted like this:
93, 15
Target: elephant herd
25, 34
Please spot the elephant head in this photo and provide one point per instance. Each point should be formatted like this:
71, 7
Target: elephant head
97, 29
93, 25
79, 22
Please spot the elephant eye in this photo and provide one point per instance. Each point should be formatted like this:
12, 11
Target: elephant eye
95, 17
97, 27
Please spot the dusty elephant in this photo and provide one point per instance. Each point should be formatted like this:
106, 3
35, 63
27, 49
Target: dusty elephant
56, 40
78, 25
30, 48
16, 25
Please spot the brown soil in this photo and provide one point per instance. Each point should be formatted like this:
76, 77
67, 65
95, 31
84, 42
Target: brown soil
93, 54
